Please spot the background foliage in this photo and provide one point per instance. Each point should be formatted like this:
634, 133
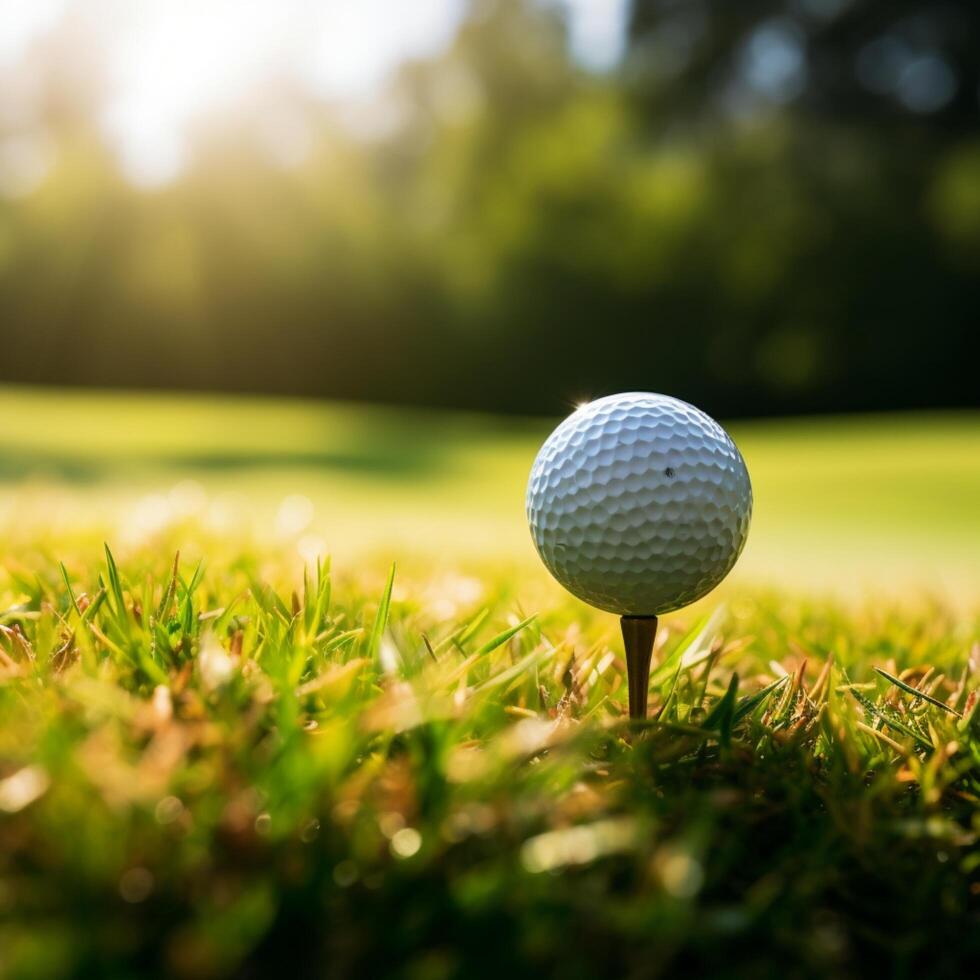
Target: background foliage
765, 207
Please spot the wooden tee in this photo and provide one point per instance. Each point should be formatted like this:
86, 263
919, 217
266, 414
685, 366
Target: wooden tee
639, 632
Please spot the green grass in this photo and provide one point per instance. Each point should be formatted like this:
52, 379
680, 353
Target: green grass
872, 504
217, 770
240, 762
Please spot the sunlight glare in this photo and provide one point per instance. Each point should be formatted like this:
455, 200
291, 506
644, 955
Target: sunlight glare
174, 61
23, 22
172, 64
356, 43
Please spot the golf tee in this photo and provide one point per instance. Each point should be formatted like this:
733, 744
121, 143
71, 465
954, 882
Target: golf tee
639, 633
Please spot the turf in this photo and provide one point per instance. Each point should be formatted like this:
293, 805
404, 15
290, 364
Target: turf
867, 504
240, 763
237, 768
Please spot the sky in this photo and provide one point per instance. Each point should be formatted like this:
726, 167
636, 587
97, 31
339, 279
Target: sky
172, 61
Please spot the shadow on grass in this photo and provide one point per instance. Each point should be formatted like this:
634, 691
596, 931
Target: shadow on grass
76, 469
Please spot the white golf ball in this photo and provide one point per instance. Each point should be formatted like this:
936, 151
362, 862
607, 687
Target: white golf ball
639, 503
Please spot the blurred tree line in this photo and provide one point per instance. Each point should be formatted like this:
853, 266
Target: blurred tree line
771, 206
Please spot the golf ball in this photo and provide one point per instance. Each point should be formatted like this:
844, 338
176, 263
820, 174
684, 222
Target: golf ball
639, 503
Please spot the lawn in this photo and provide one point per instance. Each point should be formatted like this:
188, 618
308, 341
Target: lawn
866, 503
255, 764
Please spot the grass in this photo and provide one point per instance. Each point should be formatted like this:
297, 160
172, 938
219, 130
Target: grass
236, 761
851, 504
214, 770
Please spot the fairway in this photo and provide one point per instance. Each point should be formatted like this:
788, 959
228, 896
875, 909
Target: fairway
218, 761
872, 504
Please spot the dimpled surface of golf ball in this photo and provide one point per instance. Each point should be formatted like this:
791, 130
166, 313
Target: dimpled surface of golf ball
639, 503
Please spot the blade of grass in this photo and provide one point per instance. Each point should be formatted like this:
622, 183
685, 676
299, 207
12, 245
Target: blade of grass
688, 651
721, 716
534, 658
891, 722
381, 618
321, 604
71, 592
116, 591
168, 596
916, 693
502, 638
462, 637
750, 702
